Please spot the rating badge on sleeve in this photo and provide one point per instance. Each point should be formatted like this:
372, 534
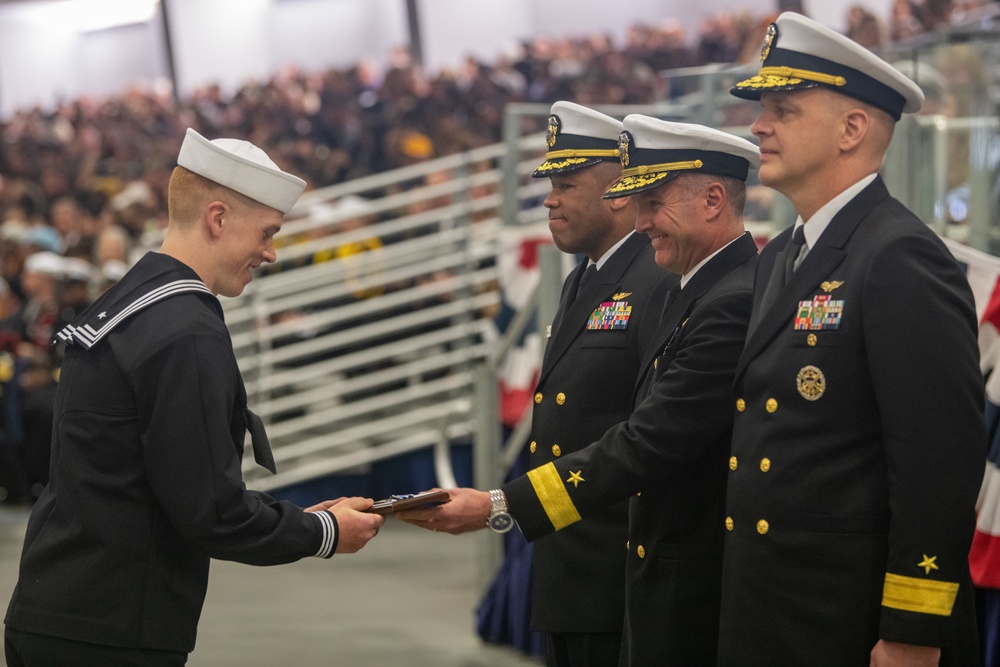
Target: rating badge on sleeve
610, 316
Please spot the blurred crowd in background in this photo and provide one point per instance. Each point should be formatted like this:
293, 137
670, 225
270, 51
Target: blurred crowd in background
83, 186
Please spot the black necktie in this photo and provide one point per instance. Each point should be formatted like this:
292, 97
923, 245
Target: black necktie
585, 278
779, 279
792, 251
671, 295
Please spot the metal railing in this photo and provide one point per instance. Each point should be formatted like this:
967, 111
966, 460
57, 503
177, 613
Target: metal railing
377, 332
361, 343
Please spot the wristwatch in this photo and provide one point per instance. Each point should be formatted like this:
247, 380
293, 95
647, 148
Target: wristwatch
499, 521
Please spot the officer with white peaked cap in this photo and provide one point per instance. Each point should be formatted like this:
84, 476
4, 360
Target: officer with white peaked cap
147, 447
859, 438
587, 378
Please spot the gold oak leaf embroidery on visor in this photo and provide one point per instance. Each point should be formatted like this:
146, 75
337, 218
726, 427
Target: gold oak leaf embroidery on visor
562, 164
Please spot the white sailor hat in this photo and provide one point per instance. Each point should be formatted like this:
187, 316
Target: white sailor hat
800, 53
240, 166
77, 269
654, 151
113, 270
46, 263
577, 137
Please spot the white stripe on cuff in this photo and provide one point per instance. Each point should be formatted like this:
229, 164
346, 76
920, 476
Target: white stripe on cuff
328, 526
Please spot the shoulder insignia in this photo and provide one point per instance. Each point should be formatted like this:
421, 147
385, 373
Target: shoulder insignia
830, 285
620, 295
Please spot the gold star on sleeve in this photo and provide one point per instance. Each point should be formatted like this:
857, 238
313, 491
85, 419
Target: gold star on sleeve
928, 563
575, 478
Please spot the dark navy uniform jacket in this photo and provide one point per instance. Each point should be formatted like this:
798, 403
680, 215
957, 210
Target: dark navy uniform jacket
669, 457
146, 484
858, 450
585, 387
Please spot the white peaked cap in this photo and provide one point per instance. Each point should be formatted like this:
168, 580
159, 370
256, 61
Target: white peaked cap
800, 53
578, 137
654, 151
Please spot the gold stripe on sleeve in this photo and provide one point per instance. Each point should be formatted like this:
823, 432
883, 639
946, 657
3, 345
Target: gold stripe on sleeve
552, 495
924, 596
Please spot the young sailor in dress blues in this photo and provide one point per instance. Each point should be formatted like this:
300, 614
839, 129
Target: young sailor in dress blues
150, 420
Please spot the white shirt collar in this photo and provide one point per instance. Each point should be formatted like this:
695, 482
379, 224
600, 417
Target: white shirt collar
686, 278
606, 256
821, 218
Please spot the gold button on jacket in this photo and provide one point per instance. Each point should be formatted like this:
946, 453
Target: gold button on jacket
762, 527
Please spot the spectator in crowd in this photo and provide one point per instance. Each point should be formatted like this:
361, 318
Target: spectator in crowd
42, 273
864, 27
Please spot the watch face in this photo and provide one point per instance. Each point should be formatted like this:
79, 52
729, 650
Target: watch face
501, 523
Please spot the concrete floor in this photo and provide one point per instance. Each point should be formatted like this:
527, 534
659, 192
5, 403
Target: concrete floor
408, 599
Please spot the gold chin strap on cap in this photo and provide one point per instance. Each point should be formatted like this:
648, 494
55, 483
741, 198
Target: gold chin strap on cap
572, 152
807, 75
664, 166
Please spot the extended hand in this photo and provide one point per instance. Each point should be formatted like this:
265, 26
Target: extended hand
354, 526
895, 654
467, 510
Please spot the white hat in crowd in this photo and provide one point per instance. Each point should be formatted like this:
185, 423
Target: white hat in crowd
800, 53
241, 166
654, 151
577, 137
77, 269
113, 270
45, 263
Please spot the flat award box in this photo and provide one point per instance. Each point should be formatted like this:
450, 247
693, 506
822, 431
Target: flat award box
410, 501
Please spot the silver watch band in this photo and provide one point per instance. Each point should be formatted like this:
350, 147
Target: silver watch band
498, 502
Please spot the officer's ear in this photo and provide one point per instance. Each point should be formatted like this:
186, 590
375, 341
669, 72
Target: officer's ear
619, 203
714, 196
